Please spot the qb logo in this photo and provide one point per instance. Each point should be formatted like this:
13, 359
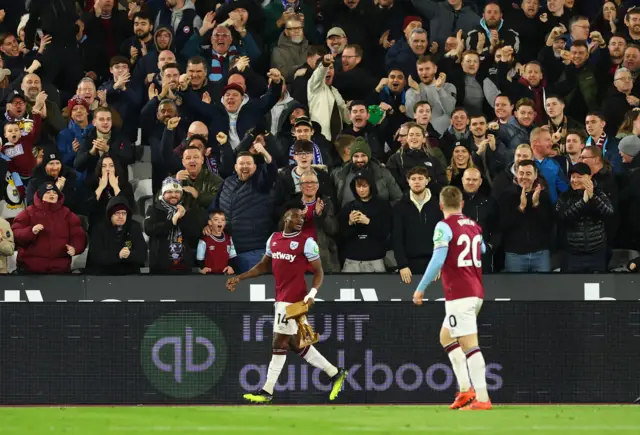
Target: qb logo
183, 354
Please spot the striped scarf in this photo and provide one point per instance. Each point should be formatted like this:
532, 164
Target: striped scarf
217, 63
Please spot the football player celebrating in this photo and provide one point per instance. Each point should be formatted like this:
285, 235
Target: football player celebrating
290, 252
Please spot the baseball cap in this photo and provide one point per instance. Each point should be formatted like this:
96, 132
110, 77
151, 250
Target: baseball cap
580, 168
336, 31
16, 94
233, 87
303, 120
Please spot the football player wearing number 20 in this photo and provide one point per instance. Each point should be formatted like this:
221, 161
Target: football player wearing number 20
290, 252
457, 251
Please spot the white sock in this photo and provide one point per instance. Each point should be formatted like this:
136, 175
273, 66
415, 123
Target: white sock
278, 359
477, 370
315, 358
459, 365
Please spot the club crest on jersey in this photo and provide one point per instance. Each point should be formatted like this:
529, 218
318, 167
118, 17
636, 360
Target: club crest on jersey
293, 245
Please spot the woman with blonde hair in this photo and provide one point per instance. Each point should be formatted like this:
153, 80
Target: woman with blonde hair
461, 160
417, 152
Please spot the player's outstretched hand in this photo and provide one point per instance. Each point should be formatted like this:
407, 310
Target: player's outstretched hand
417, 297
232, 282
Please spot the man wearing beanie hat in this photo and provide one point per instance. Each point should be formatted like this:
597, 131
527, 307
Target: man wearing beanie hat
117, 244
70, 138
583, 210
386, 187
53, 171
173, 231
629, 148
48, 234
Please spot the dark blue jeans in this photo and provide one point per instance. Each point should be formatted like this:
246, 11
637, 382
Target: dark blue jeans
534, 262
246, 260
585, 263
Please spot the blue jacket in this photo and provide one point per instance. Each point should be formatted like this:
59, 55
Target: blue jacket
65, 146
610, 152
216, 117
554, 175
248, 207
401, 56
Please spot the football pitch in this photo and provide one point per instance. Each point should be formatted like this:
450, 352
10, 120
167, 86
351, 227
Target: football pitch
321, 420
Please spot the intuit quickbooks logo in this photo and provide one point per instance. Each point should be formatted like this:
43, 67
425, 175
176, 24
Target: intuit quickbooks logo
183, 354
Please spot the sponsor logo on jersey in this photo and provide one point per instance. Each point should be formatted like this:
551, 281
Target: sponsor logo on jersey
282, 256
293, 245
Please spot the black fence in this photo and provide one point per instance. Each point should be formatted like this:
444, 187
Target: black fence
338, 288
187, 353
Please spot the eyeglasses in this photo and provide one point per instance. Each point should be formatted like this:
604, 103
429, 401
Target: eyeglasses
302, 153
308, 183
624, 79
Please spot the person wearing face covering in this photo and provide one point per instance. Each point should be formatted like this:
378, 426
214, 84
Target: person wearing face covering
173, 231
117, 245
47, 234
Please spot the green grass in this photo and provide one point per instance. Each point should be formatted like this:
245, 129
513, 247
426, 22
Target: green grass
321, 420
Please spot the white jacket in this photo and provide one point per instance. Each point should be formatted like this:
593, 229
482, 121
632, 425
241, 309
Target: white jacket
321, 100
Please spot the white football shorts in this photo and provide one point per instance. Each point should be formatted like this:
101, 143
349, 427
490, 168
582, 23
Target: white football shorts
280, 324
462, 316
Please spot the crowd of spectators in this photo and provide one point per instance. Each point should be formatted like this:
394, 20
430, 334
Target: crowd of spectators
361, 109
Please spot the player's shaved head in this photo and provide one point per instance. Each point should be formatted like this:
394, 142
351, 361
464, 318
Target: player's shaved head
451, 198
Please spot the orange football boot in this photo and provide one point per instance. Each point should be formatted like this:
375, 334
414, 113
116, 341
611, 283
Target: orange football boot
478, 406
463, 399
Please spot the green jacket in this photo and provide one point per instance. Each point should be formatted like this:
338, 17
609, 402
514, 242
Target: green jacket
207, 184
584, 79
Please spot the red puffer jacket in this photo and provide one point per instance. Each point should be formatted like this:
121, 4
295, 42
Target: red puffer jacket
46, 252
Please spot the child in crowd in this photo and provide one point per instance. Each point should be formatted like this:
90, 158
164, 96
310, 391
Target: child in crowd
215, 248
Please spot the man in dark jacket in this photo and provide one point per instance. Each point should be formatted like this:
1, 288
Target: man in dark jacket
182, 17
62, 60
495, 31
245, 199
117, 245
386, 187
288, 183
583, 211
414, 219
445, 18
360, 127
53, 171
526, 220
173, 231
365, 225
103, 139
482, 209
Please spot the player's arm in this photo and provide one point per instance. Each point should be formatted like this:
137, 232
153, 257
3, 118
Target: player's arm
259, 269
442, 235
312, 252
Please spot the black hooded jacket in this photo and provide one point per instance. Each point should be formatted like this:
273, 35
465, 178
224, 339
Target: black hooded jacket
107, 242
56, 18
365, 242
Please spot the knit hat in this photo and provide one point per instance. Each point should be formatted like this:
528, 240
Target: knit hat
360, 146
47, 187
580, 168
113, 210
77, 100
410, 19
630, 145
49, 154
233, 87
171, 184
